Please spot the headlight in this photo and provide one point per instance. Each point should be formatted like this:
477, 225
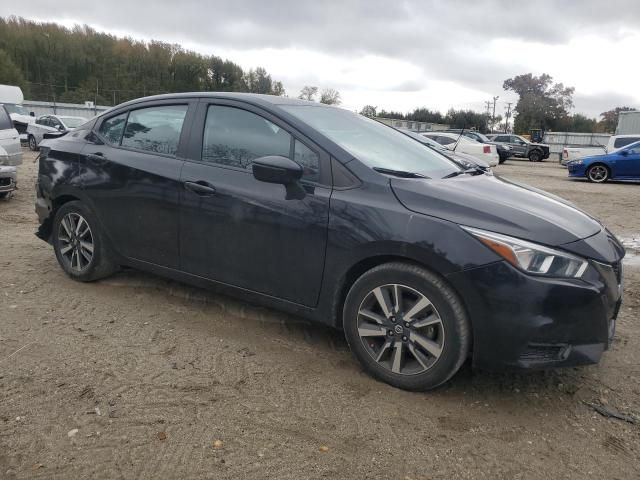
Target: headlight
531, 257
576, 162
506, 147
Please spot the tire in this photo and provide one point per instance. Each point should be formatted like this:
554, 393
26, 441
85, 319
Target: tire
73, 253
535, 156
4, 195
501, 160
33, 146
429, 353
598, 173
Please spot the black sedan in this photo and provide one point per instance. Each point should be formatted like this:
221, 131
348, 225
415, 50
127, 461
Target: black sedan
327, 214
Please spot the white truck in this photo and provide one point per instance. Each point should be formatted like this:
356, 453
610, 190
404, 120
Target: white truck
11, 97
615, 142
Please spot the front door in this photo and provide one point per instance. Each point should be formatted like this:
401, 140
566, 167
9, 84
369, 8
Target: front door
243, 232
131, 175
629, 165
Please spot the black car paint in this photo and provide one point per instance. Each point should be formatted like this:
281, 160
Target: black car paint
301, 255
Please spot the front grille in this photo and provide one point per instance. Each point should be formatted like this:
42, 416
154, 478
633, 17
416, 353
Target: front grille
5, 182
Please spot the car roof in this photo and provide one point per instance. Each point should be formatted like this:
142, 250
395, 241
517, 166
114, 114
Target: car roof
253, 98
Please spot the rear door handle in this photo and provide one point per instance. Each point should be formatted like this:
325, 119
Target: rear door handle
200, 188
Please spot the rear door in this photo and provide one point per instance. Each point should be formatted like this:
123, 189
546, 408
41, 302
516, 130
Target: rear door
131, 173
243, 232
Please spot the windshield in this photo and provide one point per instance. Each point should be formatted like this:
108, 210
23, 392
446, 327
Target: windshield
13, 108
373, 143
73, 122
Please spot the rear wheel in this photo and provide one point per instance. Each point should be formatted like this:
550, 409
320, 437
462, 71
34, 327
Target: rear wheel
80, 246
32, 143
598, 173
406, 326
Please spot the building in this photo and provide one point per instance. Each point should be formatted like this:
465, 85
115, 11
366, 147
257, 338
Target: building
412, 125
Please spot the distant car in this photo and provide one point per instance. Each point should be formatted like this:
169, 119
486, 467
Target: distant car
466, 161
615, 142
463, 144
621, 164
10, 151
51, 123
11, 98
504, 151
521, 147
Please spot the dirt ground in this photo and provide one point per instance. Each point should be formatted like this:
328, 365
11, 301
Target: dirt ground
139, 377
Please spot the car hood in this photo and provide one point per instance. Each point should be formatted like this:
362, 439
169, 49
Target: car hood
498, 205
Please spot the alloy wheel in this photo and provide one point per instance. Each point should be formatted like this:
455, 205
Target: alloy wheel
598, 173
400, 329
32, 143
75, 241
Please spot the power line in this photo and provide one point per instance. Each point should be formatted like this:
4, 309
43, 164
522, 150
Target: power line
507, 116
493, 117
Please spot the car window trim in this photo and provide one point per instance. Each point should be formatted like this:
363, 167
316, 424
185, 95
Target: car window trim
195, 154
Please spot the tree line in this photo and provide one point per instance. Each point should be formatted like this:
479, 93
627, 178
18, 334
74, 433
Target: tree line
53, 63
541, 104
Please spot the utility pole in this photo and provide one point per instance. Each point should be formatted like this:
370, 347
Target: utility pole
488, 104
493, 117
507, 117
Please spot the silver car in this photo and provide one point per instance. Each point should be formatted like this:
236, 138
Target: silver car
51, 123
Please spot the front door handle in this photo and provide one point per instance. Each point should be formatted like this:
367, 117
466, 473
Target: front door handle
200, 188
96, 157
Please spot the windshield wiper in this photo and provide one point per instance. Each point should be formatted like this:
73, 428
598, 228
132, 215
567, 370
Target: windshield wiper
399, 173
468, 171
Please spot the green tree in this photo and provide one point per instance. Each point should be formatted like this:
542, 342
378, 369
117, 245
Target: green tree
10, 74
308, 93
609, 121
369, 111
329, 96
541, 103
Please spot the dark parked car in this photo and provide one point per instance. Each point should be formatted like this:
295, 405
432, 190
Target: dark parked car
504, 151
521, 147
328, 214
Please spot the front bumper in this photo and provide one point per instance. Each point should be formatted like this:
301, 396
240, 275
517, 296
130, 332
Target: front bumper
576, 169
522, 321
8, 179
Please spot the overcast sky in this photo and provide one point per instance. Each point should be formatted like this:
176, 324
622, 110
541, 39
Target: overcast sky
393, 54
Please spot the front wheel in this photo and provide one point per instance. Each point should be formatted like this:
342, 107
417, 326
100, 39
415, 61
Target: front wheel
80, 246
535, 156
33, 146
598, 173
406, 326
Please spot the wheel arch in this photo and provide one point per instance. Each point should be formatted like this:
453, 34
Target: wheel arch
356, 270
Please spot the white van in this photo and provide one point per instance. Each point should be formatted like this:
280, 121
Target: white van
11, 97
10, 150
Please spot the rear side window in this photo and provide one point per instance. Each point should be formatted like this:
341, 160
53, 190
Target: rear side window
155, 129
623, 142
5, 119
112, 128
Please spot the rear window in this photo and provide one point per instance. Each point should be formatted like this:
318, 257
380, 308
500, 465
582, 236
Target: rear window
5, 119
623, 142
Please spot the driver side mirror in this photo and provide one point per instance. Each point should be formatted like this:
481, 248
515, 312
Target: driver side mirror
624, 153
276, 169
60, 128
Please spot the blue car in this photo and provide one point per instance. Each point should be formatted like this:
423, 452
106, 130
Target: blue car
621, 164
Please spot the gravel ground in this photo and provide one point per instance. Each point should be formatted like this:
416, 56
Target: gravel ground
139, 377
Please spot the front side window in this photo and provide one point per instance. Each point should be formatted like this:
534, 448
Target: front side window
445, 140
309, 161
502, 138
155, 129
112, 128
235, 137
